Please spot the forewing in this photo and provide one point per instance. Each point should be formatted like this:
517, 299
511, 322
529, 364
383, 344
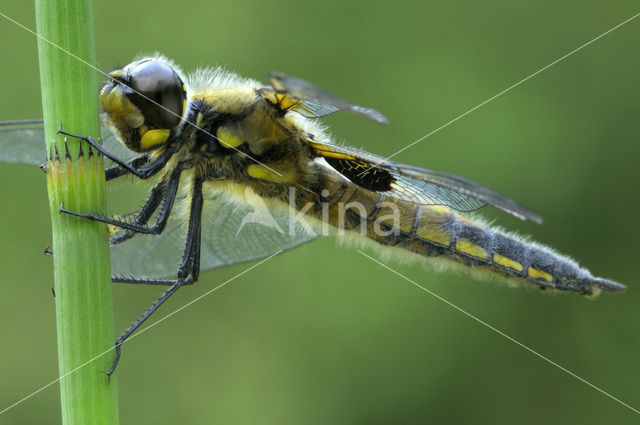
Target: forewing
316, 102
232, 232
23, 142
227, 237
463, 192
415, 184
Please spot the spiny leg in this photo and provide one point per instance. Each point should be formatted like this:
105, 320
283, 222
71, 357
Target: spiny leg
161, 220
143, 173
187, 273
144, 214
195, 259
190, 266
151, 204
142, 217
122, 338
145, 168
143, 280
116, 171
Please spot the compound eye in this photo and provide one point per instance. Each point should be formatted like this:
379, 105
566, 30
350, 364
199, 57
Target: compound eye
164, 92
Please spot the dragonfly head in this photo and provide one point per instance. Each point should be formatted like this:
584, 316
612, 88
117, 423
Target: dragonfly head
144, 102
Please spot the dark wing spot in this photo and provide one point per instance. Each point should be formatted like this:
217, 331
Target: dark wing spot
363, 174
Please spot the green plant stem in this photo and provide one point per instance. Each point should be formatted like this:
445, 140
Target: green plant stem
75, 177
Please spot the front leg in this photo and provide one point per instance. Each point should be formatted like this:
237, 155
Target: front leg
158, 193
126, 167
163, 215
116, 171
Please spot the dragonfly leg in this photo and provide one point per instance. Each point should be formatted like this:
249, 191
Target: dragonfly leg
116, 171
163, 215
187, 273
145, 281
122, 338
143, 173
191, 258
144, 214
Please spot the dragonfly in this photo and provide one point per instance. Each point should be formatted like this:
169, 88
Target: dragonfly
237, 170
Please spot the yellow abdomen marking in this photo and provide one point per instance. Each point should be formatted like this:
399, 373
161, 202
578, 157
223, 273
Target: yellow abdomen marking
153, 138
435, 234
262, 172
507, 262
539, 274
471, 249
228, 138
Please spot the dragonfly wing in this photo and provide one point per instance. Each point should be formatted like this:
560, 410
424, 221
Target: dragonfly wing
310, 101
22, 142
237, 232
414, 184
232, 232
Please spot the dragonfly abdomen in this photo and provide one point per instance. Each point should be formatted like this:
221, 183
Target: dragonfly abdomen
437, 231
475, 245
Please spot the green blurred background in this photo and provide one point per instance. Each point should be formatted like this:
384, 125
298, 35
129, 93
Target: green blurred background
321, 335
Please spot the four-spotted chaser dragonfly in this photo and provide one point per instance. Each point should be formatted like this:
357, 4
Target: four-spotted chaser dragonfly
215, 148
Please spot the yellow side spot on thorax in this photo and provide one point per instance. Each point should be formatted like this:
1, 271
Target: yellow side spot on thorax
257, 171
153, 138
539, 274
507, 262
229, 138
471, 249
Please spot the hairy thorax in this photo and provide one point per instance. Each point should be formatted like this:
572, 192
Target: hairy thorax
238, 137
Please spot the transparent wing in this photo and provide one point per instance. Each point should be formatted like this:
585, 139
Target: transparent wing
232, 233
415, 184
23, 142
312, 101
